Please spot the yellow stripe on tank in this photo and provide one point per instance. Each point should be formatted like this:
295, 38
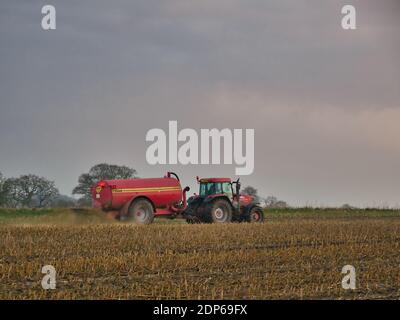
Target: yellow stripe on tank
151, 189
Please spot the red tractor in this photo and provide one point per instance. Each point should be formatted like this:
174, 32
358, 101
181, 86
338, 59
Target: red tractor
219, 200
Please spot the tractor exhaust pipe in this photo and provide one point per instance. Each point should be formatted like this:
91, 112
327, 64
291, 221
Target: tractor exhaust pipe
238, 194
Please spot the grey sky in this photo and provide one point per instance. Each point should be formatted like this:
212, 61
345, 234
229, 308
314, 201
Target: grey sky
324, 102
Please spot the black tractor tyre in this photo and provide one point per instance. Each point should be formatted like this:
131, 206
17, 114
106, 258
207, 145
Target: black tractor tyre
194, 220
255, 215
141, 212
220, 211
190, 215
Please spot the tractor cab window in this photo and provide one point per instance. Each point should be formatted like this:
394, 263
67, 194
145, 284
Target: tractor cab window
210, 188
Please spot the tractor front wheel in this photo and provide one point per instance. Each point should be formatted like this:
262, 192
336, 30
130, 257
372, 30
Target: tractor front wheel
256, 214
221, 211
141, 212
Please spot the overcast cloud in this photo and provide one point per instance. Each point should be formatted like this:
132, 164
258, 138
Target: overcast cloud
324, 102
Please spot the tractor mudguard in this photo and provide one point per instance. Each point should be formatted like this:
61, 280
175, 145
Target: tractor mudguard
247, 209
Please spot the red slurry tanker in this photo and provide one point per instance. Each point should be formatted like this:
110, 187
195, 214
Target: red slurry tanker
140, 200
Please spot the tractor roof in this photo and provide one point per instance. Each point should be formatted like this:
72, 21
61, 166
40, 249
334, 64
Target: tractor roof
205, 180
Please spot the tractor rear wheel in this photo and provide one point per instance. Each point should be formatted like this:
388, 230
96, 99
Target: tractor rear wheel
141, 212
256, 214
221, 211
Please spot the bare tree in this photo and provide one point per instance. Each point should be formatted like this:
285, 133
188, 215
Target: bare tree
273, 202
46, 192
270, 201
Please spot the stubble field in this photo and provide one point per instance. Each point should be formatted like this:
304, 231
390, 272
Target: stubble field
295, 254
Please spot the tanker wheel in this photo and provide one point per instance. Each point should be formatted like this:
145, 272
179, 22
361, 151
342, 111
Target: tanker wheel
221, 211
141, 212
256, 214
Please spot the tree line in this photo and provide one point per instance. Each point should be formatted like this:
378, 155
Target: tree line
32, 191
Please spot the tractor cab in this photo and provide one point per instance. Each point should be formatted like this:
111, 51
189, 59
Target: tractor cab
216, 186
